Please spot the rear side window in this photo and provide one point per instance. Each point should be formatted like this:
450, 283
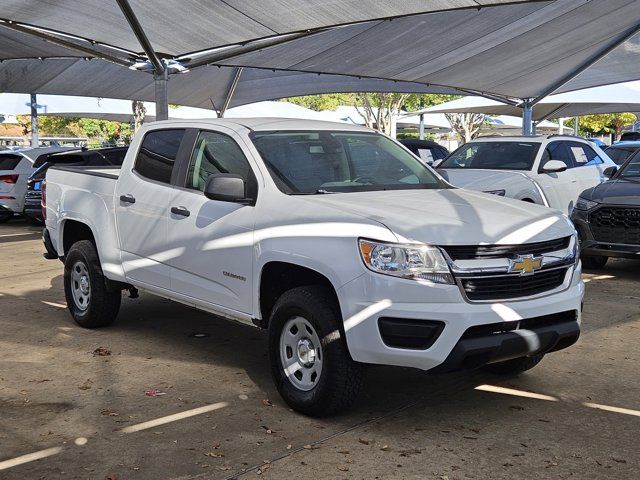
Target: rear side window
584, 155
158, 153
9, 161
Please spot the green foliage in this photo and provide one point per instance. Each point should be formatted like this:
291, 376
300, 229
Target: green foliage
606, 123
97, 131
330, 101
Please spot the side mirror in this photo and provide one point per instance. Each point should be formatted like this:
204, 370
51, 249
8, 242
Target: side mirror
226, 187
610, 171
436, 163
554, 166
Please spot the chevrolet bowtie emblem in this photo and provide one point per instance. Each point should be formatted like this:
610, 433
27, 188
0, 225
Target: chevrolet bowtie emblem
525, 264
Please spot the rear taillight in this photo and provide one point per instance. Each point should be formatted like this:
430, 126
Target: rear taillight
8, 178
43, 201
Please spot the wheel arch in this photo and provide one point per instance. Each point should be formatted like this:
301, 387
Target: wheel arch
277, 277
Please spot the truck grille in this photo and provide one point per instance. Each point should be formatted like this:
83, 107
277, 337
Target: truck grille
501, 287
616, 225
473, 252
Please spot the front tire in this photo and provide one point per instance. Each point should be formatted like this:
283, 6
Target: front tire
5, 216
91, 302
594, 263
310, 363
514, 366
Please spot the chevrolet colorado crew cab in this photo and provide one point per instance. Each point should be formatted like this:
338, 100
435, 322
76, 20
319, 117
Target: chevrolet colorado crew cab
337, 240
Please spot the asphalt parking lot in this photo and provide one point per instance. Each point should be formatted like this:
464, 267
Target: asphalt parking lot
73, 402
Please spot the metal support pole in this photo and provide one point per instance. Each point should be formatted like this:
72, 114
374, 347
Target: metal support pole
162, 96
421, 129
527, 118
560, 126
231, 91
34, 121
576, 126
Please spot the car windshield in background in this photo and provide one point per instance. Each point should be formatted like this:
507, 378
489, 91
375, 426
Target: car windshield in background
493, 155
619, 154
331, 162
631, 169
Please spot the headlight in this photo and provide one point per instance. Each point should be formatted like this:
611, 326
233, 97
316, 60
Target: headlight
584, 204
496, 192
412, 261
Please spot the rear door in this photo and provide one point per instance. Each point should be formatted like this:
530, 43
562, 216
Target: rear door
589, 166
143, 196
560, 188
214, 238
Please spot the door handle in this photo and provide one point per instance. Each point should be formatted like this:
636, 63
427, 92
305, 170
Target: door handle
180, 211
127, 198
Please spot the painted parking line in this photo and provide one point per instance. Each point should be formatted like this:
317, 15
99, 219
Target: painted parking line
20, 234
517, 393
173, 418
30, 457
609, 408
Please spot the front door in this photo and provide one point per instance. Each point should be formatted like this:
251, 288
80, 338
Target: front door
214, 238
142, 200
560, 188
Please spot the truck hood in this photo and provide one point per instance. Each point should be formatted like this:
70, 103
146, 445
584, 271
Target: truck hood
452, 216
617, 191
477, 179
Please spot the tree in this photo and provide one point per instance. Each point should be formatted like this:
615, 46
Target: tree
378, 109
607, 123
466, 125
139, 112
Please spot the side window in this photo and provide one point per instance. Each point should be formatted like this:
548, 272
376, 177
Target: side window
158, 153
217, 153
557, 151
584, 155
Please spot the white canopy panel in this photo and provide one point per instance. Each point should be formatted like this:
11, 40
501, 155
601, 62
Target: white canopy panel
606, 99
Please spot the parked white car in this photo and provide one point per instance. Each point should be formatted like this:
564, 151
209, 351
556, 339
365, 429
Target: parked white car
15, 168
336, 239
550, 171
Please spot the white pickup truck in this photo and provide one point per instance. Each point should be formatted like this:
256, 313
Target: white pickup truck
336, 239
547, 170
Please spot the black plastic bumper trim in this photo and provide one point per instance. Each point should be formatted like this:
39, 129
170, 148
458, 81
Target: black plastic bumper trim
472, 353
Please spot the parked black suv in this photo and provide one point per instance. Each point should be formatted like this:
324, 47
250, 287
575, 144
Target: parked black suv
607, 216
100, 157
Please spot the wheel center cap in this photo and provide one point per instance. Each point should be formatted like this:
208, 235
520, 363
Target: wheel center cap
84, 284
306, 352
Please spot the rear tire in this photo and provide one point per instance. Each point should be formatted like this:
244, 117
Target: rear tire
594, 263
5, 217
306, 339
90, 300
514, 366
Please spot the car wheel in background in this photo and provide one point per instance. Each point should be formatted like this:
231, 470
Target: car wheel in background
5, 216
89, 299
310, 363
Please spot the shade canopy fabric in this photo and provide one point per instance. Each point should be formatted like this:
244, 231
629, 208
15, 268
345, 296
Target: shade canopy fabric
505, 48
606, 99
204, 87
176, 28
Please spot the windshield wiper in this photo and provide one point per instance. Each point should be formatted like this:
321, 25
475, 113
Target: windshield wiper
323, 191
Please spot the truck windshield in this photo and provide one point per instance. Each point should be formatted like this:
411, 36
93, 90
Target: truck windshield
307, 162
493, 155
